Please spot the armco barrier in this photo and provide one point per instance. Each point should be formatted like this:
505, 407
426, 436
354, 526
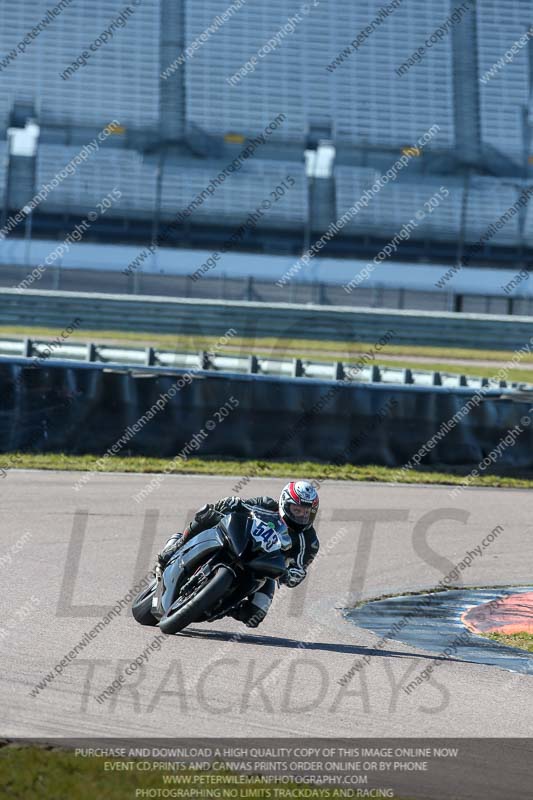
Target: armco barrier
40, 349
256, 320
86, 408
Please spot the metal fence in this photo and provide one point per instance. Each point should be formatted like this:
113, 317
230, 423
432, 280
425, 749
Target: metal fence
259, 320
220, 287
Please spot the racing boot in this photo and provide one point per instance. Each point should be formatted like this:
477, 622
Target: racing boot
171, 547
253, 610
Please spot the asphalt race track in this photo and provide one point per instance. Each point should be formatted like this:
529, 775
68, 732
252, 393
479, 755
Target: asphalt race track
67, 557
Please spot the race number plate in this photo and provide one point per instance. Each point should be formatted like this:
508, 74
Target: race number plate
265, 534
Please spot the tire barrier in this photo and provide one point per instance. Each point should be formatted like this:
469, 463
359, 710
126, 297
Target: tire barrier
88, 408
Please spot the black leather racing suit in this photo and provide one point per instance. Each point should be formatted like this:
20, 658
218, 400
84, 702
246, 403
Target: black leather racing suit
305, 546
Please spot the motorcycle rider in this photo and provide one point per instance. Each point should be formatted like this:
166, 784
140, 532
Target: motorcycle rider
297, 507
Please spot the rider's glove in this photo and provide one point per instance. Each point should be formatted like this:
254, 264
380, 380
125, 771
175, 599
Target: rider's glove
228, 504
293, 576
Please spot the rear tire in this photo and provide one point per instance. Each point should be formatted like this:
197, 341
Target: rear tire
142, 606
194, 609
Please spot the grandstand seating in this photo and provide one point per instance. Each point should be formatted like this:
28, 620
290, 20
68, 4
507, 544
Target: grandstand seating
243, 191
364, 100
3, 169
489, 198
120, 80
504, 95
232, 201
240, 193
397, 203
94, 178
528, 232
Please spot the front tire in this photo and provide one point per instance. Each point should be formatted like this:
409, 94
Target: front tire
142, 606
193, 609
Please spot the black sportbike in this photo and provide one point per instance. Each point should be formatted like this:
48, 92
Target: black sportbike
214, 571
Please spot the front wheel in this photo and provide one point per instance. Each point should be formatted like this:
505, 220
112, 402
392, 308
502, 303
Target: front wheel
193, 607
142, 605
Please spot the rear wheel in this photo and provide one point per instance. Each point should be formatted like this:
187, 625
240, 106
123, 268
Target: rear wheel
142, 605
193, 607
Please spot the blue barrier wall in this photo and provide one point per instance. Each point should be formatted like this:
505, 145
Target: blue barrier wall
89, 408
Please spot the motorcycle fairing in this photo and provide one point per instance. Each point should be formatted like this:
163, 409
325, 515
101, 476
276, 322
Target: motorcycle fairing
186, 561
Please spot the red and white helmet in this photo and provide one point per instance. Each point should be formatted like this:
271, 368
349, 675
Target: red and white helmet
298, 504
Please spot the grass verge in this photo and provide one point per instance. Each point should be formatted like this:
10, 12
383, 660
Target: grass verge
28, 772
310, 348
523, 641
256, 469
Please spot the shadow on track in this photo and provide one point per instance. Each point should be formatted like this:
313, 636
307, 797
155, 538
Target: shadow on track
294, 644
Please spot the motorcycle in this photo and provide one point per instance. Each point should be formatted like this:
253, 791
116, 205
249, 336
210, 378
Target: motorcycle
216, 570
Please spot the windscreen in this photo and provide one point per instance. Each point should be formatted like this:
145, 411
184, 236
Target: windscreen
268, 530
